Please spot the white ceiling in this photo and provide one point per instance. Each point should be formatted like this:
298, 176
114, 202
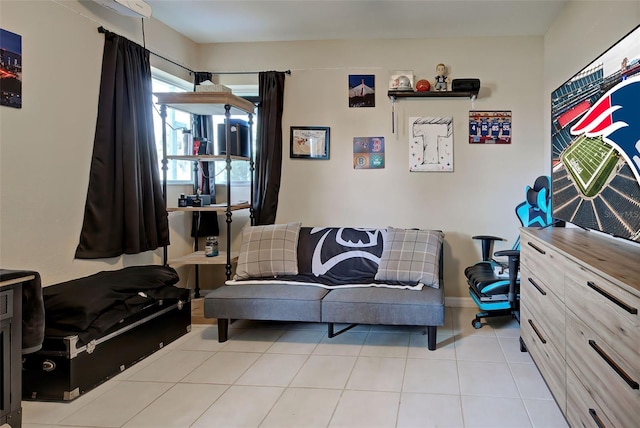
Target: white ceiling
214, 21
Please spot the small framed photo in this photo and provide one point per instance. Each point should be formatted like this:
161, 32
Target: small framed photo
309, 142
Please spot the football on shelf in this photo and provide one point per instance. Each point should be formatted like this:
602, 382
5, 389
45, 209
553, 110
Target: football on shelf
423, 85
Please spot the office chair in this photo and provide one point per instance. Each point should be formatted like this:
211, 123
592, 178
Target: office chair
494, 286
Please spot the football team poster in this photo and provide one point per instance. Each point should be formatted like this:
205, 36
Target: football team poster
489, 127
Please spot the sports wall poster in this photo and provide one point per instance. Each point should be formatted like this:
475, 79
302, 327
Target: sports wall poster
10, 69
489, 127
430, 144
368, 152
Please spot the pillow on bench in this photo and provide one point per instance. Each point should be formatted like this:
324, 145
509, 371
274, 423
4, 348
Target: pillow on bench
411, 256
268, 251
333, 257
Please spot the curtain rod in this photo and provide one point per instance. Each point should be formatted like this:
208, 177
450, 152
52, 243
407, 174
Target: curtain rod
244, 72
101, 29
104, 31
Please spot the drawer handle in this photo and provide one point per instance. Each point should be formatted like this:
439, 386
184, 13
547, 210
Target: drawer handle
632, 383
541, 251
614, 299
596, 418
535, 329
544, 293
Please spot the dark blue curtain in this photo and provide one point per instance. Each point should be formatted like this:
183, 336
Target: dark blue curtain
125, 211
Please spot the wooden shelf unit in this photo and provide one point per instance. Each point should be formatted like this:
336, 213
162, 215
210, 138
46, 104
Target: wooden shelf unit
207, 104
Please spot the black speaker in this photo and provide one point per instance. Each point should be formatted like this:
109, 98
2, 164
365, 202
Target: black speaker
240, 145
465, 85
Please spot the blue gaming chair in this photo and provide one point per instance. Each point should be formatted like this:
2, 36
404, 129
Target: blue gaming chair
493, 285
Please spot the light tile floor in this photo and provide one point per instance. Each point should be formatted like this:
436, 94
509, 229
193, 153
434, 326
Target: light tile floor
292, 375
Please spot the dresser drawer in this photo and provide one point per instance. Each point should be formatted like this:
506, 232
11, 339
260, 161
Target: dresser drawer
546, 356
612, 313
582, 406
610, 380
546, 307
544, 262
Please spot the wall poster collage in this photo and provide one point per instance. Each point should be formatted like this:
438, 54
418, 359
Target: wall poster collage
430, 138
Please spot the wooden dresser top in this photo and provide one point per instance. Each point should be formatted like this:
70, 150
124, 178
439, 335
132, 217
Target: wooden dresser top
615, 259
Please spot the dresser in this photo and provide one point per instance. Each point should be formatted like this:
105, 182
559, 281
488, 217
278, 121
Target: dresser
579, 303
11, 346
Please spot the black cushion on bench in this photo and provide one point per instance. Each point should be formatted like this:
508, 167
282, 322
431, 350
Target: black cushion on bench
89, 306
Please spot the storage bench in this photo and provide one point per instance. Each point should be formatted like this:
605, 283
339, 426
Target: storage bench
98, 326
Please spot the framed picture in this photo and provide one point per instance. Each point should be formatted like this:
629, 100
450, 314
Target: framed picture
309, 142
431, 144
368, 152
10, 69
489, 127
362, 90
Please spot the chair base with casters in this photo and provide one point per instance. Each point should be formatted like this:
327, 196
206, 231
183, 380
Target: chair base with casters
495, 295
495, 286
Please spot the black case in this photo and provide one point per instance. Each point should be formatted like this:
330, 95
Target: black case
465, 85
240, 144
64, 369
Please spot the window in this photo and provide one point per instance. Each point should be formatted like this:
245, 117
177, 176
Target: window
177, 121
240, 172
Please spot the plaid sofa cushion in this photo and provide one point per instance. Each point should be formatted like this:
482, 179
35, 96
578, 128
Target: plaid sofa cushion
411, 256
268, 251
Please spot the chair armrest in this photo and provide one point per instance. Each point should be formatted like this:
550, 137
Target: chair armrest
487, 245
488, 237
514, 265
507, 253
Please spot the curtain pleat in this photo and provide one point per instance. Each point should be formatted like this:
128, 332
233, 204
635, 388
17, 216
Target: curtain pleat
124, 210
268, 164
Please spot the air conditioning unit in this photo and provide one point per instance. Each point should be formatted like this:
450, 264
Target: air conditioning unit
136, 8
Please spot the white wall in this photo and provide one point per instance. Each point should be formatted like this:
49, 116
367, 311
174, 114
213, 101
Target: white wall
46, 146
479, 197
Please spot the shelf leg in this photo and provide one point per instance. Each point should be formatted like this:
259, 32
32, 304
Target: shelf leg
196, 288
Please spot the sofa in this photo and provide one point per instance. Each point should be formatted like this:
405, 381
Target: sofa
287, 272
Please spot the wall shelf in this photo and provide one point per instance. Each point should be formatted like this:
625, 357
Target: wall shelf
198, 258
206, 158
214, 207
432, 94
